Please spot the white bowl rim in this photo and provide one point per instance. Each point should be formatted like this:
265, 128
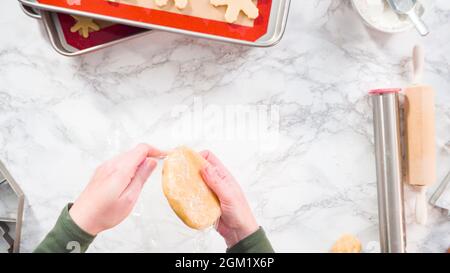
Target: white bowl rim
386, 30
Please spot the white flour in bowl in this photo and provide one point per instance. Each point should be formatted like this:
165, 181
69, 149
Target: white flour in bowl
379, 14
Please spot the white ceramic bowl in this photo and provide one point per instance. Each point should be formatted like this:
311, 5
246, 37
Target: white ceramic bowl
421, 9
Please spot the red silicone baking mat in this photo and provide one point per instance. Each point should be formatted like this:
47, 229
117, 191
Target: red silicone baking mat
107, 33
171, 19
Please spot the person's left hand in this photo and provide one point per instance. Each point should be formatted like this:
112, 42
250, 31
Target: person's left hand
114, 189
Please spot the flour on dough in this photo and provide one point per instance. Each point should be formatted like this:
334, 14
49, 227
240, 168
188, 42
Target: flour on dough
188, 195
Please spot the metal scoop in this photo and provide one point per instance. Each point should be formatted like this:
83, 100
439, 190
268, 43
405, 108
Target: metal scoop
408, 7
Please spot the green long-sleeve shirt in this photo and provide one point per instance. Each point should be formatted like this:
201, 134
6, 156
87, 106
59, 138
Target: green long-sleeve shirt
67, 237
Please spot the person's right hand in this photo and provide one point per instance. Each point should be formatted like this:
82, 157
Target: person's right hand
114, 189
237, 221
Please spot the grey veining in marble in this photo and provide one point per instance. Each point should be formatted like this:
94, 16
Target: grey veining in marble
61, 117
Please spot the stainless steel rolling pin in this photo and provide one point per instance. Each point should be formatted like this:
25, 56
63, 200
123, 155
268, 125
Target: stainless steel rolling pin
386, 115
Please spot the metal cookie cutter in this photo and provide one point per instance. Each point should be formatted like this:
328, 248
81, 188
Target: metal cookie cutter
12, 201
443, 187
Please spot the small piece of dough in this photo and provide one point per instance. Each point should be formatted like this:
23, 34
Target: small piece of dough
181, 4
188, 195
347, 244
234, 7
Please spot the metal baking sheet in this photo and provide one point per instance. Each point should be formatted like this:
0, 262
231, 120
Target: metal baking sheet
59, 42
267, 30
31, 12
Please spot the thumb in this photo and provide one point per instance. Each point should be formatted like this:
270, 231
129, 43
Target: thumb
144, 171
137, 182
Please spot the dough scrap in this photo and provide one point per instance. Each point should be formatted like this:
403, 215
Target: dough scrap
181, 4
234, 7
188, 195
347, 244
84, 26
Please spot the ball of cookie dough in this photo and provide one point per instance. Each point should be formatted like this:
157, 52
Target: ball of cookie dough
188, 195
347, 244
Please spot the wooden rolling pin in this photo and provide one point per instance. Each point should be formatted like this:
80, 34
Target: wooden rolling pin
421, 137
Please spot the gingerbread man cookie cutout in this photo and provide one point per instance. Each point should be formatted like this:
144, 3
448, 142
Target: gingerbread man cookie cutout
84, 26
234, 7
181, 4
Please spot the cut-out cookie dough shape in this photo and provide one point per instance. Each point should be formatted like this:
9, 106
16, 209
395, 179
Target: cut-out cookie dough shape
234, 7
188, 195
181, 4
118, 1
347, 244
84, 26
74, 2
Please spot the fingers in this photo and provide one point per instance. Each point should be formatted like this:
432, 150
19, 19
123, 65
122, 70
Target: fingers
134, 188
128, 162
218, 181
212, 159
125, 166
144, 171
136, 156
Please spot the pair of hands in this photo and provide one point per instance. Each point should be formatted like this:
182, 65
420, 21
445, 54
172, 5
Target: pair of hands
116, 185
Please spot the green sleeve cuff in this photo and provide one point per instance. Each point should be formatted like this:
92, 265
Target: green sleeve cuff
257, 242
65, 237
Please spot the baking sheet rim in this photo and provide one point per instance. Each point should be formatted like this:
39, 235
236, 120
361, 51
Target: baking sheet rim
52, 29
274, 39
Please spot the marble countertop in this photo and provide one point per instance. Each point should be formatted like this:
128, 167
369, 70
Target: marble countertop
307, 166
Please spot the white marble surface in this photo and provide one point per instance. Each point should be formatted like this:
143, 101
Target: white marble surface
61, 117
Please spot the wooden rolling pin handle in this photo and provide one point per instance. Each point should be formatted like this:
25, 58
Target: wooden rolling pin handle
421, 206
